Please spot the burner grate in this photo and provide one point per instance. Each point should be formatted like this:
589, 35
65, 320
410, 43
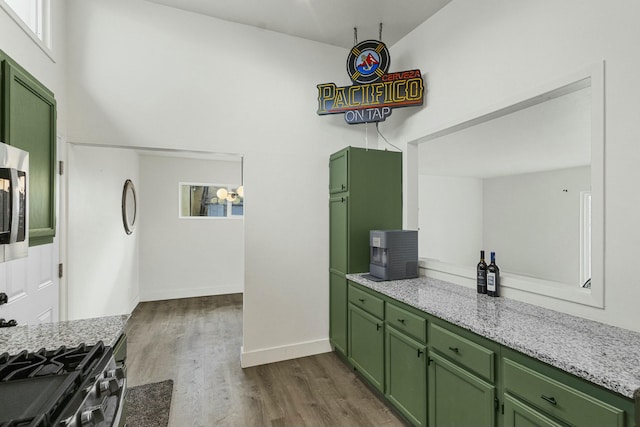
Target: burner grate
37, 388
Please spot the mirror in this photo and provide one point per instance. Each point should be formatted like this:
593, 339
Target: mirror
525, 181
129, 206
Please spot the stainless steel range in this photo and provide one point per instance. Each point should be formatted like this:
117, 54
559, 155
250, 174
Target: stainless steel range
71, 387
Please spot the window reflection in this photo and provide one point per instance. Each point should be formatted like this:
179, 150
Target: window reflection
211, 200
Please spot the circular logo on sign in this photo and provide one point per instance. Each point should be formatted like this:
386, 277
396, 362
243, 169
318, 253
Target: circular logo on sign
368, 61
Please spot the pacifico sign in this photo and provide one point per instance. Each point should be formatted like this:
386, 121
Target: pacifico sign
374, 91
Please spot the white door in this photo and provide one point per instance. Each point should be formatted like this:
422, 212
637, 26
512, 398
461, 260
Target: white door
32, 283
31, 286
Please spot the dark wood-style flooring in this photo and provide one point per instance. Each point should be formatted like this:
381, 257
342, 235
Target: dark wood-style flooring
196, 343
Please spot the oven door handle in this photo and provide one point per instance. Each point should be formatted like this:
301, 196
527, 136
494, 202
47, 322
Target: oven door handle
15, 205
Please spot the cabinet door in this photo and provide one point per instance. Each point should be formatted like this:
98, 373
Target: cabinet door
338, 172
406, 375
338, 234
366, 345
518, 414
29, 123
458, 398
338, 311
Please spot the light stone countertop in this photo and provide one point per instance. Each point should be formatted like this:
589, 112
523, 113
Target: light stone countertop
68, 333
602, 354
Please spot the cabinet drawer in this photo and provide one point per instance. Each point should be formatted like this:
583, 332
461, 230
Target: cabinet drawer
406, 322
559, 400
369, 303
467, 353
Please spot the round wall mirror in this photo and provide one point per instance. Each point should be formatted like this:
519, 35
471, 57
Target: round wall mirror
129, 206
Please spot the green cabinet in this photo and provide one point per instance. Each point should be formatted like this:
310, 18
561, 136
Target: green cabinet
536, 394
366, 335
458, 398
338, 311
462, 390
28, 122
518, 414
462, 374
439, 374
366, 345
338, 172
406, 375
365, 189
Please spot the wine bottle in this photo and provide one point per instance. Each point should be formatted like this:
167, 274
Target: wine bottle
493, 277
482, 275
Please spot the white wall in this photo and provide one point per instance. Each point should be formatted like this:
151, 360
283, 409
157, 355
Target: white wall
148, 75
186, 257
477, 54
36, 276
102, 267
450, 218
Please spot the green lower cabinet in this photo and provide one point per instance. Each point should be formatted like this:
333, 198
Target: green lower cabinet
553, 396
406, 375
518, 414
338, 311
366, 345
458, 398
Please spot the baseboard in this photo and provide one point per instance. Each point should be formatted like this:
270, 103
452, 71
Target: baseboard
286, 352
134, 303
158, 295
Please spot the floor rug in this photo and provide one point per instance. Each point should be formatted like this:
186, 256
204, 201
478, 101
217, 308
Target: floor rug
148, 405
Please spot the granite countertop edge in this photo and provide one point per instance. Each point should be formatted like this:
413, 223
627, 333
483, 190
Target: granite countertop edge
602, 354
69, 333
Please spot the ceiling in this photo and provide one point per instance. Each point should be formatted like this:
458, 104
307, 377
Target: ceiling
326, 21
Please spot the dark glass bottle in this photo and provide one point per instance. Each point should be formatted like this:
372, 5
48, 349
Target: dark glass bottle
482, 275
493, 277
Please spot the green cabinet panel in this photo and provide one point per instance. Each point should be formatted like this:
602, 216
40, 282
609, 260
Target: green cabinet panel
406, 322
338, 172
518, 414
457, 398
28, 122
406, 375
366, 345
557, 399
366, 301
338, 238
467, 353
372, 181
338, 311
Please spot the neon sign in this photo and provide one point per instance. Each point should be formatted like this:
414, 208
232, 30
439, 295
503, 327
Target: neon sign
375, 92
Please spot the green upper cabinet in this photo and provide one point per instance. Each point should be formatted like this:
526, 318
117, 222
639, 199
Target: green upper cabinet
338, 239
366, 194
28, 122
338, 172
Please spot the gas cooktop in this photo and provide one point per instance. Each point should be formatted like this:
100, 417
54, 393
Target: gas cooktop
79, 386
